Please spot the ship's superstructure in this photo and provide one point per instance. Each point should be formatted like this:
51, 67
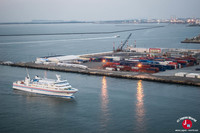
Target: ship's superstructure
60, 88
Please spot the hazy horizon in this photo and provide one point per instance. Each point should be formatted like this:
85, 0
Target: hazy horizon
96, 10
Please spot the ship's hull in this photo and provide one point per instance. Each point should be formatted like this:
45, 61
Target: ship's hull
43, 91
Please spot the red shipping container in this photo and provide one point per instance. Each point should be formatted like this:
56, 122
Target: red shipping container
173, 63
143, 70
146, 66
182, 61
151, 71
134, 70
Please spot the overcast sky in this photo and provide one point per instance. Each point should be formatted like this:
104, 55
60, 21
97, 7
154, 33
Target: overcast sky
86, 10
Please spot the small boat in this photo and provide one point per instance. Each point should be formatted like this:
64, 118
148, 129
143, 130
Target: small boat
51, 87
117, 36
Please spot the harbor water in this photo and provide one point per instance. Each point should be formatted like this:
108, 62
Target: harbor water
103, 104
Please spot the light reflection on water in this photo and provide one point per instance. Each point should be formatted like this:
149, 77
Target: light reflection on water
104, 104
140, 111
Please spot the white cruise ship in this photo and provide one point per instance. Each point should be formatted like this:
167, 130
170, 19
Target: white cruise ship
60, 88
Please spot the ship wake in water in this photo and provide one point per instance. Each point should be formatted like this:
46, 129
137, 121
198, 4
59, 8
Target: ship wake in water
63, 40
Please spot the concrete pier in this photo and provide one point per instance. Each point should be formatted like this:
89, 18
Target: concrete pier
164, 77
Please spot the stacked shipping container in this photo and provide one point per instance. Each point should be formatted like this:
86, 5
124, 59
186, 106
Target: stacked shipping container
150, 64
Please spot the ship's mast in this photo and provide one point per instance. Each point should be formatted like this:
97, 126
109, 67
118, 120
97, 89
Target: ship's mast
27, 73
58, 77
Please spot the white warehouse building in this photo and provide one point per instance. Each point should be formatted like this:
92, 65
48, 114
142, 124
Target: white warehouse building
63, 58
56, 59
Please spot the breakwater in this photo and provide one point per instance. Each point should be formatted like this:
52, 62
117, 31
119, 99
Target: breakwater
82, 33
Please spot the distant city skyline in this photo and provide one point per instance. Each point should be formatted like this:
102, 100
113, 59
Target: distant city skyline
96, 10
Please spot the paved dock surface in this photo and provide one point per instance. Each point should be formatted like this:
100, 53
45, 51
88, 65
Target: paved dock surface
190, 69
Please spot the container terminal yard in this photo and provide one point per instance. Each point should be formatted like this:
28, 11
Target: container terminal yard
179, 66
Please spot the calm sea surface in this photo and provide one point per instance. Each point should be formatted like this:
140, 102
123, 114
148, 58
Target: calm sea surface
103, 104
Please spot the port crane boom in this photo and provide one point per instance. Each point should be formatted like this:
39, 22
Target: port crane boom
121, 47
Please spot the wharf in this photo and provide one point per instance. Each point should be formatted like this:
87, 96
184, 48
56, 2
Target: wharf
195, 39
164, 77
191, 41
